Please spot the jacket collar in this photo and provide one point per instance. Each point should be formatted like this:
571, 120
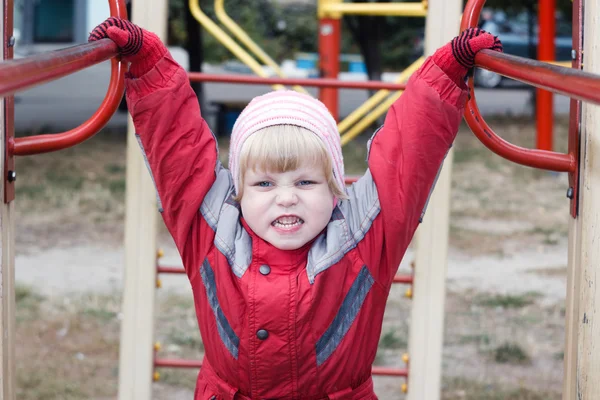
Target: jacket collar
264, 252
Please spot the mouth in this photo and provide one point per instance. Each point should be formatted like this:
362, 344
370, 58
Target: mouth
287, 222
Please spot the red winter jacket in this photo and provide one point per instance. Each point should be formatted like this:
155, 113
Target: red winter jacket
300, 324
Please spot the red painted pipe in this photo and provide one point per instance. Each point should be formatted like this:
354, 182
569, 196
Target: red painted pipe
320, 82
566, 81
406, 279
390, 371
570, 82
181, 363
17, 75
169, 270
9, 103
546, 51
329, 60
575, 106
21, 74
176, 363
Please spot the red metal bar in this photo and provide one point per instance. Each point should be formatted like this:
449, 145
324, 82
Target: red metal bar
320, 82
407, 279
181, 363
567, 81
390, 371
546, 52
329, 60
9, 106
21, 74
169, 270
575, 107
176, 363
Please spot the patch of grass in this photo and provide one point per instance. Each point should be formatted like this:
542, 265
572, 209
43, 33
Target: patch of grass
482, 338
464, 155
550, 236
100, 314
28, 302
507, 300
392, 340
493, 162
177, 302
189, 338
31, 191
529, 319
65, 353
39, 384
68, 179
464, 389
24, 293
551, 271
526, 174
355, 156
114, 169
179, 378
511, 353
117, 186
475, 189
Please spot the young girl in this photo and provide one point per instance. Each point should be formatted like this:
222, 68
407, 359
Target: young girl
289, 269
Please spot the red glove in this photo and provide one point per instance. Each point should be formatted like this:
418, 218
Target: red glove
142, 48
458, 57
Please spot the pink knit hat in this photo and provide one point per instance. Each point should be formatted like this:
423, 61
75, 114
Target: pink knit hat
291, 108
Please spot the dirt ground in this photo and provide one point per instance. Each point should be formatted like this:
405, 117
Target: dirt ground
504, 314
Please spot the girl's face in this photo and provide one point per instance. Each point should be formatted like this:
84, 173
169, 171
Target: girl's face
287, 209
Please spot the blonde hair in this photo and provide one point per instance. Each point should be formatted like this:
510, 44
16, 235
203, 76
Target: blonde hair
283, 148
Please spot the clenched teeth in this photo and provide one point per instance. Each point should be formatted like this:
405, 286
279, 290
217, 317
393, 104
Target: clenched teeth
287, 222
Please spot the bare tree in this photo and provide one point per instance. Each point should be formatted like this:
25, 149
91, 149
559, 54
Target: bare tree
367, 32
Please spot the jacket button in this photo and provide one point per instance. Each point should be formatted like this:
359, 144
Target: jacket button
262, 334
265, 269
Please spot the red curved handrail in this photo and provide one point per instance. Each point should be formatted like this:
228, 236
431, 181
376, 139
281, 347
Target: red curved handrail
570, 82
20, 74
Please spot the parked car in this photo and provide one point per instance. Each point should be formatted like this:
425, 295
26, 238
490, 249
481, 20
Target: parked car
513, 32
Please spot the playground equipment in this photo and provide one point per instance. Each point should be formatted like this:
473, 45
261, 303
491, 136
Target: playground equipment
330, 13
135, 372
231, 45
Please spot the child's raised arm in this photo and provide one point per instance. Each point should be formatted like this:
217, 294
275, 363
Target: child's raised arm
180, 149
406, 154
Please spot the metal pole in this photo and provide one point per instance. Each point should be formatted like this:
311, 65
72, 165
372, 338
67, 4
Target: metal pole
321, 82
329, 55
546, 52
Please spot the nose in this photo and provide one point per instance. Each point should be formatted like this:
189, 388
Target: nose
286, 197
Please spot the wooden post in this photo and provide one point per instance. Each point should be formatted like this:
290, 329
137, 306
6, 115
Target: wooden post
582, 358
137, 327
429, 289
7, 260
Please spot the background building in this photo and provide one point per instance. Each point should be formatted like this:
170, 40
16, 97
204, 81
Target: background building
57, 21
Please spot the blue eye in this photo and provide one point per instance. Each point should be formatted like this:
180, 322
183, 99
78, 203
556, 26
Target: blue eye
305, 183
263, 184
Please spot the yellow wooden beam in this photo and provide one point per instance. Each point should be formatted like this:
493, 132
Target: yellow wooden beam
335, 9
